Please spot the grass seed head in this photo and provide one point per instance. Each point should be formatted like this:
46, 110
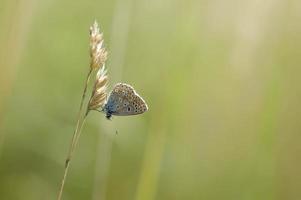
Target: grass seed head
98, 53
99, 94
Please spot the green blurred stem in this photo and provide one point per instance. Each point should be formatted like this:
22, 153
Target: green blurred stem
79, 124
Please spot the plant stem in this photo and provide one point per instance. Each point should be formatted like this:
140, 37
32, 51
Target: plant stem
79, 124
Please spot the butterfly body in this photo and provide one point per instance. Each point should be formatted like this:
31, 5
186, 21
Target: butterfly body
124, 101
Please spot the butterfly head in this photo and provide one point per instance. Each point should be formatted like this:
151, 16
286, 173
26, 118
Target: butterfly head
108, 111
108, 116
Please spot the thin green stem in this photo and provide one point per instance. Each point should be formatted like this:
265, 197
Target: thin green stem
79, 124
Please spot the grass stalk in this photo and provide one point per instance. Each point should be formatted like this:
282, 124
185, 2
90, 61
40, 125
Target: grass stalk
98, 56
79, 124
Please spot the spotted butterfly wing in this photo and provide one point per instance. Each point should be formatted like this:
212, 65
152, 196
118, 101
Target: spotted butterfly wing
123, 101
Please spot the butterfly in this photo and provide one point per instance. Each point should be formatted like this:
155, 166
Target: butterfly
123, 101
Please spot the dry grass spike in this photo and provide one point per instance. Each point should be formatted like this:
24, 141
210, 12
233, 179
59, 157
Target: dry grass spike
99, 93
98, 53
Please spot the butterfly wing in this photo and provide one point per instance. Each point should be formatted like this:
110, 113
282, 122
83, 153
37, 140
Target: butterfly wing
124, 100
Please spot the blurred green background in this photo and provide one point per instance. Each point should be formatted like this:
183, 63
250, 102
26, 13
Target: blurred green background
221, 78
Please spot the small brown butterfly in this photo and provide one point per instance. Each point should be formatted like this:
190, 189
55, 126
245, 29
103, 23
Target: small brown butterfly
124, 101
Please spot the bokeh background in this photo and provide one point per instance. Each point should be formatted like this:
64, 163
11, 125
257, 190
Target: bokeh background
221, 78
